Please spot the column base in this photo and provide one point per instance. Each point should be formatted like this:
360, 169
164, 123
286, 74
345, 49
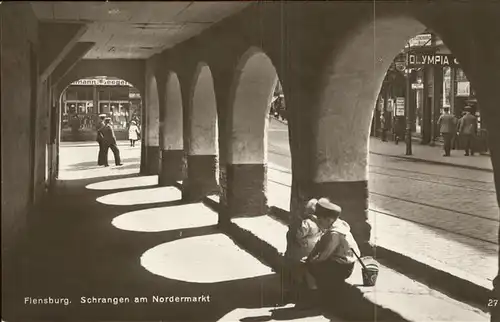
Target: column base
152, 160
353, 198
201, 180
172, 167
246, 191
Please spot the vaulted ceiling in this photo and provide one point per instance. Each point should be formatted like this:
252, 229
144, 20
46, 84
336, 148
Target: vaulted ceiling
136, 30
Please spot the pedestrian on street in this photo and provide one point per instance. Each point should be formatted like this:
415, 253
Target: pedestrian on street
133, 133
109, 141
467, 128
302, 236
332, 259
383, 127
99, 139
447, 126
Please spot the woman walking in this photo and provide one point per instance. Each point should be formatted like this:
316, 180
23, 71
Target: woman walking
133, 133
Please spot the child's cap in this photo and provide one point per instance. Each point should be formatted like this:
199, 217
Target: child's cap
326, 208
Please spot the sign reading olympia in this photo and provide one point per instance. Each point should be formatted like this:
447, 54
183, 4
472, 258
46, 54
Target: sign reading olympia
421, 59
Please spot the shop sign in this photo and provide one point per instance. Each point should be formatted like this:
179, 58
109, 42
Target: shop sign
417, 86
400, 106
102, 82
421, 59
420, 40
463, 89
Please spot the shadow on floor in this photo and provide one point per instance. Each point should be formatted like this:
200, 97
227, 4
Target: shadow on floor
74, 251
89, 165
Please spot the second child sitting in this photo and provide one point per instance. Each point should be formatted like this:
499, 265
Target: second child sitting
301, 238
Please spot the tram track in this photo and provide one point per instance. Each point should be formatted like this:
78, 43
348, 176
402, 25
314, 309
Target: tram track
415, 221
416, 179
431, 226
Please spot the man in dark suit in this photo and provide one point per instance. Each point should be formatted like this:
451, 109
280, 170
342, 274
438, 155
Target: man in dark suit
109, 141
99, 139
467, 128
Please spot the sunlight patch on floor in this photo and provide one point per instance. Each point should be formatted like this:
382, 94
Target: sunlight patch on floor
141, 197
135, 182
97, 171
283, 313
167, 218
203, 259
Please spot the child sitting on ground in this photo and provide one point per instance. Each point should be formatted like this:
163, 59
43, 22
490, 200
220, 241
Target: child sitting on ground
301, 238
333, 257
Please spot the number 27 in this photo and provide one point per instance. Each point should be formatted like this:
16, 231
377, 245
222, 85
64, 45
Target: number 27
492, 302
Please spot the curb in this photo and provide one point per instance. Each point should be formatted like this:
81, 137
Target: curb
461, 289
353, 305
434, 162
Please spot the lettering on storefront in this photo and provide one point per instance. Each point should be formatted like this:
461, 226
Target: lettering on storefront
414, 59
400, 106
102, 82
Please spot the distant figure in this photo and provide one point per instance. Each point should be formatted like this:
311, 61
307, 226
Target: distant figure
75, 124
109, 141
467, 128
398, 128
100, 140
133, 133
447, 126
383, 127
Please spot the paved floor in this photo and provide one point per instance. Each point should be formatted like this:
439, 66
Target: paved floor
114, 246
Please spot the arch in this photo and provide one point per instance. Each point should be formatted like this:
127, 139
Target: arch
150, 163
171, 131
131, 71
246, 170
251, 95
63, 86
202, 138
58, 95
351, 83
203, 116
152, 112
173, 137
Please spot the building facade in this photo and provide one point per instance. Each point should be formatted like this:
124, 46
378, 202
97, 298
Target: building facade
85, 99
436, 81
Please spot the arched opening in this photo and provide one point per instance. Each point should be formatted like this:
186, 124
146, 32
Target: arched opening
246, 172
409, 198
171, 131
82, 103
202, 133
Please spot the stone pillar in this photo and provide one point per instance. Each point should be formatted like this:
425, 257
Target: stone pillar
246, 169
201, 134
171, 139
246, 190
151, 119
201, 177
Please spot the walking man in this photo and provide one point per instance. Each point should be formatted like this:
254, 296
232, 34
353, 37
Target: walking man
467, 128
99, 139
447, 126
109, 141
